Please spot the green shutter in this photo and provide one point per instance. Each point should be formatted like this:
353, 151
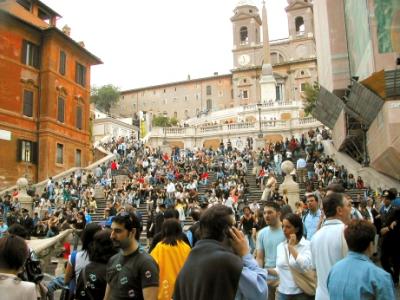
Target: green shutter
23, 51
34, 156
19, 150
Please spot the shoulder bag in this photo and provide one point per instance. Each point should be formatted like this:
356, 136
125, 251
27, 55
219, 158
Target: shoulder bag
306, 281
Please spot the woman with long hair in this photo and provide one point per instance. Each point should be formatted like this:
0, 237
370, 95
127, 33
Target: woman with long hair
294, 253
92, 282
170, 255
80, 259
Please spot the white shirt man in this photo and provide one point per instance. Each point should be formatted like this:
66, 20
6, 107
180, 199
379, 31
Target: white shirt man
328, 245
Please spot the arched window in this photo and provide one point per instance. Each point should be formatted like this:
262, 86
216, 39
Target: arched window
277, 58
299, 22
244, 35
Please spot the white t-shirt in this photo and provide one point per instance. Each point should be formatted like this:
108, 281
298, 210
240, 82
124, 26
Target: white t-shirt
81, 261
328, 246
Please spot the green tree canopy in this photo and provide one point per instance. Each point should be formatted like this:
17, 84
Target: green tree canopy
105, 97
310, 97
163, 121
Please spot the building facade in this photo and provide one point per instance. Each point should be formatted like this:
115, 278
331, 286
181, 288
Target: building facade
358, 43
44, 94
293, 59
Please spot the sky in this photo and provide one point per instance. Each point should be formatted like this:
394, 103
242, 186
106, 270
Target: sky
150, 42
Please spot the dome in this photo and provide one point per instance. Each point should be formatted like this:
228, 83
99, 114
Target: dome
245, 2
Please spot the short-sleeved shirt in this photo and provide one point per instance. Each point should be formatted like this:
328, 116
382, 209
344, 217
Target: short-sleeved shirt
128, 275
268, 241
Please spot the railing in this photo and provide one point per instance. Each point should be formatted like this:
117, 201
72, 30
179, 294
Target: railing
247, 127
39, 187
270, 104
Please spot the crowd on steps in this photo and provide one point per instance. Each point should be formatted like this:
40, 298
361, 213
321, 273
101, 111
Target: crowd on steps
232, 248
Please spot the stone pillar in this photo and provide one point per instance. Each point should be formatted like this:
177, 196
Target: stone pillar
23, 197
289, 184
259, 143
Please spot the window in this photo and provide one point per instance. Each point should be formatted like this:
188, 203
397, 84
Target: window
60, 154
63, 61
245, 94
186, 113
302, 87
208, 90
26, 151
79, 117
299, 22
60, 109
175, 115
209, 104
30, 54
277, 58
28, 103
80, 74
244, 35
78, 158
279, 92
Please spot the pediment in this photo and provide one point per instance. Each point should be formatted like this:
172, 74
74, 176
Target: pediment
298, 5
244, 16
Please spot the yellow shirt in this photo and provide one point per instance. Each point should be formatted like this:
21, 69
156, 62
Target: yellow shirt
170, 260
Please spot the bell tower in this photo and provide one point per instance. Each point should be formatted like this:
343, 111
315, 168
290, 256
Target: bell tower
300, 18
246, 25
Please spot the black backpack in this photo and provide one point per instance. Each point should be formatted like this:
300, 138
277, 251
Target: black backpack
32, 271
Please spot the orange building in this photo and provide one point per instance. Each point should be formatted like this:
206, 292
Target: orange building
44, 94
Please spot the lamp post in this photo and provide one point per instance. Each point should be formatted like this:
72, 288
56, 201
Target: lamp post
260, 135
165, 136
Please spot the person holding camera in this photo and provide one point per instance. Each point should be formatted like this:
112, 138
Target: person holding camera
224, 266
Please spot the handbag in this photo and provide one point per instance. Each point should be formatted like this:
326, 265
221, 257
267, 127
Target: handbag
306, 281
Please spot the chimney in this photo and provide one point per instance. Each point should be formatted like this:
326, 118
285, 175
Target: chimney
82, 44
188, 77
215, 73
67, 30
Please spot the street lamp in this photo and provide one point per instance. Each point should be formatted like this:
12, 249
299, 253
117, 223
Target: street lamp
260, 135
164, 142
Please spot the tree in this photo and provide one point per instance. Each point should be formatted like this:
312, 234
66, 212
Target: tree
105, 97
163, 121
310, 96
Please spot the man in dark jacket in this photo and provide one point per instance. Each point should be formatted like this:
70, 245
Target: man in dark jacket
390, 236
223, 263
27, 222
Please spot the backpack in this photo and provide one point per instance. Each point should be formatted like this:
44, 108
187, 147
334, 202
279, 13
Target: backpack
33, 271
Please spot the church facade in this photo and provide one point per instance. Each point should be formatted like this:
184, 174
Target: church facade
293, 61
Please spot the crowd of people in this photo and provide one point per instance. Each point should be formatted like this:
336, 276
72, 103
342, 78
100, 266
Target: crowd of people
234, 249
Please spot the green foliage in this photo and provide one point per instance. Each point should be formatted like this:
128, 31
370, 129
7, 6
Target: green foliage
163, 121
105, 97
310, 96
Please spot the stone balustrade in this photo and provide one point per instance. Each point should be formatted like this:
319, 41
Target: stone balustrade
272, 104
234, 128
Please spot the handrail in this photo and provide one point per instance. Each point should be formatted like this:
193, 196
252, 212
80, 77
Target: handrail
40, 185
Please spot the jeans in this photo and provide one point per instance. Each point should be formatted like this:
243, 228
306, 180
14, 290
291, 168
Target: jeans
56, 284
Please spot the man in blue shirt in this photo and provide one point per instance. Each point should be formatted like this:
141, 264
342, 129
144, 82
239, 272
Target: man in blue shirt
356, 276
312, 218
